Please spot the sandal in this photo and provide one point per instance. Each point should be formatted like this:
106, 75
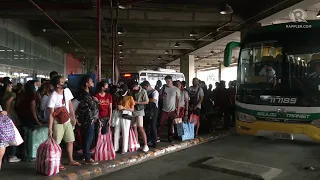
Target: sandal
74, 163
62, 168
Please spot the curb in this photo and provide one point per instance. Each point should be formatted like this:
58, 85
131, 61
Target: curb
111, 166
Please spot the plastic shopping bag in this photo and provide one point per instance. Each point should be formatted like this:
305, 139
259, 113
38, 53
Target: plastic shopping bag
17, 137
132, 141
48, 157
104, 149
115, 119
194, 119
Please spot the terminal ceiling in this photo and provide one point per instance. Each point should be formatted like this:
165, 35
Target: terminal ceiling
155, 32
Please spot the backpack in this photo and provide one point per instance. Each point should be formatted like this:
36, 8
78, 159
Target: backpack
151, 108
194, 97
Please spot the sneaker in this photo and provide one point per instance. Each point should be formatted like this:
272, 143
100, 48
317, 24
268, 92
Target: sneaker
123, 152
158, 140
92, 162
153, 145
138, 146
14, 159
145, 148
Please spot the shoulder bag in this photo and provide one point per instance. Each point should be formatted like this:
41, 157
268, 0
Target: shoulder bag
61, 114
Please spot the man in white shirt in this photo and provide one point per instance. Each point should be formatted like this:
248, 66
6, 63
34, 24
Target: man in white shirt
171, 104
269, 72
62, 96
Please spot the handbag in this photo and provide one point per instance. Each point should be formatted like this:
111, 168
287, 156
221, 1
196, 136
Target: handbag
127, 115
7, 131
61, 114
17, 137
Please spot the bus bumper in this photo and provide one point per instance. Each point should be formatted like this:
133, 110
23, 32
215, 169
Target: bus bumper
302, 132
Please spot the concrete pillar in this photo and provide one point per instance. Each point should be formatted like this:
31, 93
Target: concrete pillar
187, 68
220, 71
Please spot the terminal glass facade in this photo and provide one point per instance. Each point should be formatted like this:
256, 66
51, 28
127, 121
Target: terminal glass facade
23, 59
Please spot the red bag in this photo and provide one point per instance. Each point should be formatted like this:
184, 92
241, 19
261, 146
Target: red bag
48, 157
132, 141
104, 149
61, 114
194, 119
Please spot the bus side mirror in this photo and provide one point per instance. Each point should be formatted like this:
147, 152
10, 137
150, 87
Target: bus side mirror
228, 52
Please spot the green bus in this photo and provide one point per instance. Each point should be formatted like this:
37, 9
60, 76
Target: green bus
278, 82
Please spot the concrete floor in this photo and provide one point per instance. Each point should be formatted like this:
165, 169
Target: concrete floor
290, 157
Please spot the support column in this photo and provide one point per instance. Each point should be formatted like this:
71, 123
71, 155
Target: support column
220, 69
187, 68
99, 39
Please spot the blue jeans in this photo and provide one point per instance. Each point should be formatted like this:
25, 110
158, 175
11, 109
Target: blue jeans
87, 133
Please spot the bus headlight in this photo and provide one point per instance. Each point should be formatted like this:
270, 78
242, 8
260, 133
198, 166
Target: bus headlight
316, 123
245, 117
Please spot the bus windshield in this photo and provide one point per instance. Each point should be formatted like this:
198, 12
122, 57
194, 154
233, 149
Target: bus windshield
260, 63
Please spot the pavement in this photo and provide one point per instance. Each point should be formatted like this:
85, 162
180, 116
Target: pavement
26, 170
234, 157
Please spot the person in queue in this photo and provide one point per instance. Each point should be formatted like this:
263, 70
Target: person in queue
196, 94
8, 104
47, 91
170, 96
62, 96
223, 102
126, 108
184, 100
141, 100
105, 105
151, 114
26, 107
86, 110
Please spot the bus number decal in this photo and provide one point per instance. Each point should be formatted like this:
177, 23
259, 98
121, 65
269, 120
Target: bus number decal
280, 100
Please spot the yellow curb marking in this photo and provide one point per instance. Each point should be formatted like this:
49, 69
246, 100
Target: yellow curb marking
72, 176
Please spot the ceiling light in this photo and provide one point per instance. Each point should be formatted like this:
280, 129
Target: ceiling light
76, 50
122, 31
177, 44
120, 52
193, 33
121, 57
84, 57
226, 10
167, 52
159, 57
68, 42
318, 15
211, 52
121, 43
125, 6
44, 30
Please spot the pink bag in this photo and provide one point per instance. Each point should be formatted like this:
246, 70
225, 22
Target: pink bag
104, 149
48, 157
17, 137
132, 141
194, 119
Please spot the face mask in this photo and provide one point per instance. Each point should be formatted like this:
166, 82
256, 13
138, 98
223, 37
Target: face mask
64, 86
37, 87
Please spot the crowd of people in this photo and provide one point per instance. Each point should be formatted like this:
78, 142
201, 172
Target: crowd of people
144, 108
